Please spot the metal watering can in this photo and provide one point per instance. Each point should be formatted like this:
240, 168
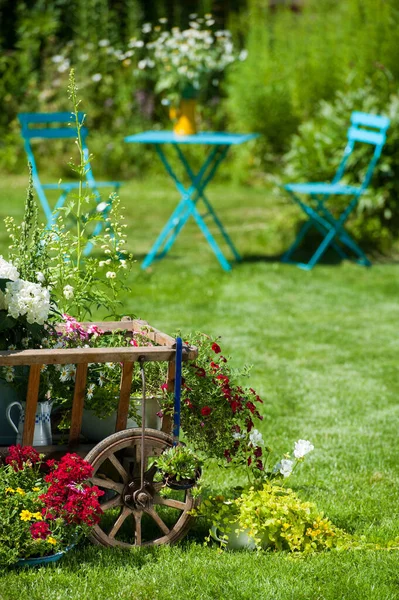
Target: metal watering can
42, 435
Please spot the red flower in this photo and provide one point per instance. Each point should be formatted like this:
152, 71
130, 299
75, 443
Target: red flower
164, 387
258, 451
17, 456
227, 455
223, 378
216, 348
206, 411
214, 366
259, 465
188, 402
200, 372
40, 530
249, 424
251, 406
249, 461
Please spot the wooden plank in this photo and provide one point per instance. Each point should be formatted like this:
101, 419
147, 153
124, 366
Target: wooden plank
124, 396
77, 404
31, 405
62, 356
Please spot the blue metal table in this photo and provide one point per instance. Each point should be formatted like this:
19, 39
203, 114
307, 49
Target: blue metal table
219, 144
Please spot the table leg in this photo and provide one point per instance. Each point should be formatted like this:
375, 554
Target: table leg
187, 207
201, 194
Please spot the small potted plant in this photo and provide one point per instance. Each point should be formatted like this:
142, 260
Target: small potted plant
43, 515
180, 467
264, 514
184, 62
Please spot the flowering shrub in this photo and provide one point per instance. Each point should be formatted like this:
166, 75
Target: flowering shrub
183, 61
219, 415
42, 514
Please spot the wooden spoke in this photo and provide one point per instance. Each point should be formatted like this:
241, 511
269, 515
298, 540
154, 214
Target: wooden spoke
158, 485
137, 533
170, 502
112, 503
163, 527
112, 458
119, 521
105, 482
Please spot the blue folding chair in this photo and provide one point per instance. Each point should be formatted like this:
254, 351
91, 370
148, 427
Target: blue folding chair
31, 129
366, 128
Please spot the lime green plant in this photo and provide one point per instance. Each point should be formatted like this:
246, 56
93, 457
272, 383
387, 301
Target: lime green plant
274, 518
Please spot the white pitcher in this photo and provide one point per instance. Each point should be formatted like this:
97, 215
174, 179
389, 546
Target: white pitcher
42, 435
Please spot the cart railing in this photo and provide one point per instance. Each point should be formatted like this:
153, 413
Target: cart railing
82, 357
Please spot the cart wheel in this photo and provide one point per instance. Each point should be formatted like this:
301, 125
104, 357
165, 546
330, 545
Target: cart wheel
135, 516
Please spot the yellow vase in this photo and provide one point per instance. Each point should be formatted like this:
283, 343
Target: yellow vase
185, 117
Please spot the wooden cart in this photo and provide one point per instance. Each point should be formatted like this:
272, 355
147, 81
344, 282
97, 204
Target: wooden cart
138, 510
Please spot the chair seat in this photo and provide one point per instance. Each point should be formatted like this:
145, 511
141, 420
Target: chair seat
325, 189
75, 185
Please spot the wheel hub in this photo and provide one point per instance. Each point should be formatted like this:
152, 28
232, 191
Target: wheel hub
138, 497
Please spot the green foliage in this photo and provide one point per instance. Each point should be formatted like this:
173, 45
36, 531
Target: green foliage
274, 518
318, 148
179, 462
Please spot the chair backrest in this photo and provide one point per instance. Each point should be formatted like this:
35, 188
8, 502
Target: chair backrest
41, 126
368, 129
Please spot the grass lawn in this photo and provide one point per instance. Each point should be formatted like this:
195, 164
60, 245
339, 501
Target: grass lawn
324, 349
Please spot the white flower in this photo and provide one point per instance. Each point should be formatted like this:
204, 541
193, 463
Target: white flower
25, 342
103, 43
101, 206
243, 55
7, 270
147, 27
64, 66
302, 447
90, 391
285, 467
238, 436
68, 292
163, 20
96, 77
9, 374
256, 438
110, 275
123, 264
58, 58
67, 373
39, 277
101, 379
26, 298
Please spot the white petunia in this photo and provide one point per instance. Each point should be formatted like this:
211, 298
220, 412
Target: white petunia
256, 438
302, 447
285, 467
